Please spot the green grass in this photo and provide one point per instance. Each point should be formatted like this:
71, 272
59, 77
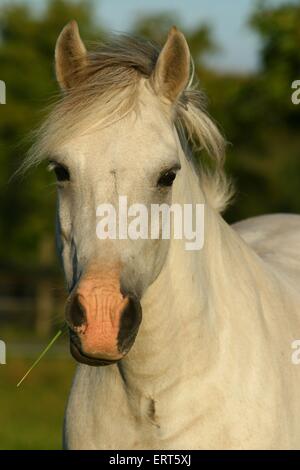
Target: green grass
31, 416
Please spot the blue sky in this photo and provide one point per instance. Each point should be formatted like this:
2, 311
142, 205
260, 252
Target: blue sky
239, 46
228, 18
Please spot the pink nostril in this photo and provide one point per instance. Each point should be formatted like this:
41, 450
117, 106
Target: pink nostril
76, 315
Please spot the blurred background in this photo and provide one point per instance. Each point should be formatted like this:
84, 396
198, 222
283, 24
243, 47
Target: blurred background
247, 55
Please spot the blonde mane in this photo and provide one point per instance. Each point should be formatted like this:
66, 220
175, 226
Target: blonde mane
107, 90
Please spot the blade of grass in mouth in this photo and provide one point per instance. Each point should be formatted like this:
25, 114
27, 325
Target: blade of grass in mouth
41, 356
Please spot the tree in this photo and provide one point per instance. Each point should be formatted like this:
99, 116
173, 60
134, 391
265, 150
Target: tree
156, 27
26, 57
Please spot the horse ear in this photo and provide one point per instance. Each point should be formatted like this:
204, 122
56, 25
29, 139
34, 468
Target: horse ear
172, 70
70, 56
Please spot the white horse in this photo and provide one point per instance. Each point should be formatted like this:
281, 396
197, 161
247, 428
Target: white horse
196, 344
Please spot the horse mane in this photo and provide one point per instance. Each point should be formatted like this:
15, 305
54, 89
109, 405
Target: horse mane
108, 90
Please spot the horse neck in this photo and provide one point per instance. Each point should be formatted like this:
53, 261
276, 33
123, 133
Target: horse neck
189, 306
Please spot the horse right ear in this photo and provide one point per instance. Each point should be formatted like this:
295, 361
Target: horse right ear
70, 56
172, 70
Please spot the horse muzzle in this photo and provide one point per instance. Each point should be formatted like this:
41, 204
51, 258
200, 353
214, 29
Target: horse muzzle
103, 322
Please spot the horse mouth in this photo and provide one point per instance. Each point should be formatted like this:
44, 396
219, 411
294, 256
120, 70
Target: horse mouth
82, 358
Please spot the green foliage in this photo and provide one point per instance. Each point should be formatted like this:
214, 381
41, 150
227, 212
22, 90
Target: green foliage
280, 59
27, 42
260, 120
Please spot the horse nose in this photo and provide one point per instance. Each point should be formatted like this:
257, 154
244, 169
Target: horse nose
103, 320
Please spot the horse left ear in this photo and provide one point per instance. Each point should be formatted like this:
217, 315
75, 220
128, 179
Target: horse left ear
172, 70
70, 56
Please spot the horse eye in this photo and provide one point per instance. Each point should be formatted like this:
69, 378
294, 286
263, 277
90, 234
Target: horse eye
166, 179
61, 172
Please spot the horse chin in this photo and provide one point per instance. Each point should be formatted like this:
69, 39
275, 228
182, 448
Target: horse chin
82, 358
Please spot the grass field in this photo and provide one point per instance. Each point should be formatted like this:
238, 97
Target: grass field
31, 416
